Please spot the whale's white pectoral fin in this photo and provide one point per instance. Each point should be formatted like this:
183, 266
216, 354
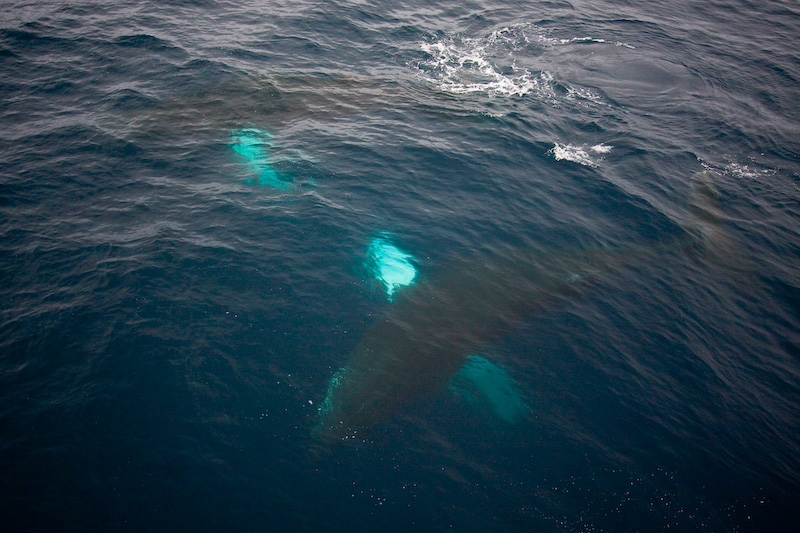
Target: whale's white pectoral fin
393, 267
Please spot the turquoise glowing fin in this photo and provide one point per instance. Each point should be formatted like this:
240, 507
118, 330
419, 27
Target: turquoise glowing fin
392, 266
479, 380
254, 146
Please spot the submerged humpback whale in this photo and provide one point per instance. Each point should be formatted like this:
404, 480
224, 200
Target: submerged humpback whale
434, 326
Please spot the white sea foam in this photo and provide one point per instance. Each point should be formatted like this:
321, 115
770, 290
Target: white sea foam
601, 148
591, 40
578, 154
489, 64
753, 170
749, 171
464, 66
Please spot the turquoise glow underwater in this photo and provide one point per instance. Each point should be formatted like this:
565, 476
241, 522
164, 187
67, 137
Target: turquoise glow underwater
254, 145
479, 379
390, 265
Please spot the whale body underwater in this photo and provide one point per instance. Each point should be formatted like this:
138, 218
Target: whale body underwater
434, 326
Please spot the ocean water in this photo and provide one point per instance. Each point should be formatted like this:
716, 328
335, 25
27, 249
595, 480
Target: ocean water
188, 195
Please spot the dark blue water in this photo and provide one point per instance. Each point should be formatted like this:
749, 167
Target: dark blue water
170, 321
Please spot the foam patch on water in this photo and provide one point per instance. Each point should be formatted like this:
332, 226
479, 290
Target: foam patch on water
481, 380
752, 170
578, 154
586, 40
468, 65
254, 146
749, 171
489, 64
391, 265
601, 148
464, 68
